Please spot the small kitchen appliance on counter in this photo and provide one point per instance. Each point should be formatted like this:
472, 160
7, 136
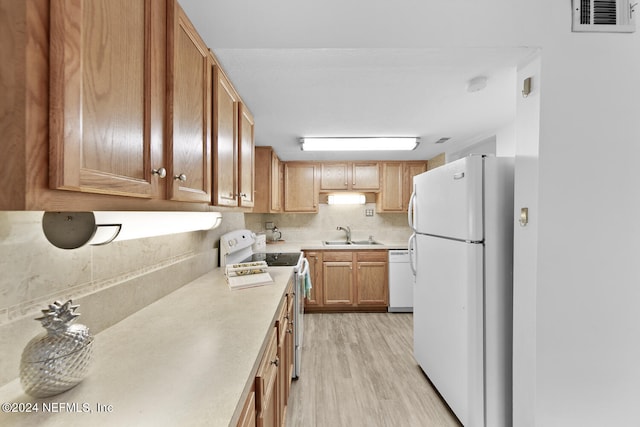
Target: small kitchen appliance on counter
239, 246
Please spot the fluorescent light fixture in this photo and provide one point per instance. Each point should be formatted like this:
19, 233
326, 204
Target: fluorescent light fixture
71, 230
359, 144
346, 199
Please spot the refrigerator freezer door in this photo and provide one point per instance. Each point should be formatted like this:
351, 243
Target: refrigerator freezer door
447, 201
448, 323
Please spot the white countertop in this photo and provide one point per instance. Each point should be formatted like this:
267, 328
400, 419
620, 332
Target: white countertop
186, 360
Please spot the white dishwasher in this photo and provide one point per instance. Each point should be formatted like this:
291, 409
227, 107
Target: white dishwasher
401, 281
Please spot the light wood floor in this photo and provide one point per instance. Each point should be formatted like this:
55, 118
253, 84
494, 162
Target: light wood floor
358, 370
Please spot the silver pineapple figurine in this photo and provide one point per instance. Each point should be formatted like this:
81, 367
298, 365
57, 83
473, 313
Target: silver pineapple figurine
58, 359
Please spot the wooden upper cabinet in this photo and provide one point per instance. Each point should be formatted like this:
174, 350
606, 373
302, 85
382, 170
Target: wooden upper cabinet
225, 141
277, 182
410, 169
268, 186
363, 176
189, 111
334, 176
397, 183
246, 155
390, 199
107, 96
300, 187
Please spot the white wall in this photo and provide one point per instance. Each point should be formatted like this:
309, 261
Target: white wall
588, 298
526, 248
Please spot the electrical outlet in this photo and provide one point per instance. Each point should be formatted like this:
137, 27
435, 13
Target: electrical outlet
268, 225
368, 212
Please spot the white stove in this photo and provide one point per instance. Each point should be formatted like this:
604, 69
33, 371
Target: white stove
240, 246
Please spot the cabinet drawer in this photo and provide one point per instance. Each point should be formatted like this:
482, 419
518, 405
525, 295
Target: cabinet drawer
372, 256
337, 256
267, 373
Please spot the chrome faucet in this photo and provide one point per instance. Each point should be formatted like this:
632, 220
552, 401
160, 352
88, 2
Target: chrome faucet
346, 230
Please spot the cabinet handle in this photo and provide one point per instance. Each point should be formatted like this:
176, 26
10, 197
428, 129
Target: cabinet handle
289, 331
243, 195
162, 172
182, 177
276, 362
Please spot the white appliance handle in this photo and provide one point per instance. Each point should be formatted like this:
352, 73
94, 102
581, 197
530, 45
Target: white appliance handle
410, 216
413, 250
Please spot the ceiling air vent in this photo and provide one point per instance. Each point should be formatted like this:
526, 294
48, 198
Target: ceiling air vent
610, 16
442, 140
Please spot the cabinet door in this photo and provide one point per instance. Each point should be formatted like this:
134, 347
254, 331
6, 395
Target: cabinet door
189, 112
365, 176
267, 385
246, 155
411, 169
107, 96
248, 415
372, 283
277, 171
315, 271
300, 187
225, 142
337, 283
333, 176
391, 195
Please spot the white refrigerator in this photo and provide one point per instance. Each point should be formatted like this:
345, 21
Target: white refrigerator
462, 256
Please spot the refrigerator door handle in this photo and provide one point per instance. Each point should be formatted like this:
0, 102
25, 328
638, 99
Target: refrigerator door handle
410, 213
413, 252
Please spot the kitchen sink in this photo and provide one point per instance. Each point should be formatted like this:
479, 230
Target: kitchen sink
354, 242
365, 242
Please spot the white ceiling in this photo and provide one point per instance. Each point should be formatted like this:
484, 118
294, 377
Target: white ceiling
340, 91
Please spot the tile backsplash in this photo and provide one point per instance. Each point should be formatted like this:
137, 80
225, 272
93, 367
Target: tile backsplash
386, 227
109, 282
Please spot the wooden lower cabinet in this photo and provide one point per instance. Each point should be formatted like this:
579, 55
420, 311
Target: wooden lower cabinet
338, 280
315, 298
248, 415
273, 379
348, 281
372, 279
267, 384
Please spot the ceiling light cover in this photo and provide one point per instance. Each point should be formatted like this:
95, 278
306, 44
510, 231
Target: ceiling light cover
359, 143
71, 230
